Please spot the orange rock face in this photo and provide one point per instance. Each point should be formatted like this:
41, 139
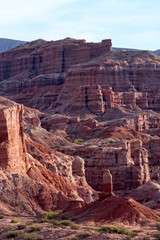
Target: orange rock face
12, 146
31, 184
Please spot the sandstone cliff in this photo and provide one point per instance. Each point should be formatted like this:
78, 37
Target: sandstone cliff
30, 184
98, 123
12, 146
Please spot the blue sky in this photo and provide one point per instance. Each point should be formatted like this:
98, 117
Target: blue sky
129, 23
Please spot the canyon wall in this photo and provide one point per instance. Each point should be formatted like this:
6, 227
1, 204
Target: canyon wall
70, 69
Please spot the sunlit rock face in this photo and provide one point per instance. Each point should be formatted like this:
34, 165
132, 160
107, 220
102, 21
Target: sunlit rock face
12, 146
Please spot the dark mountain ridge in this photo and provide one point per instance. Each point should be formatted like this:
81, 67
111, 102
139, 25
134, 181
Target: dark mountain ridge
7, 44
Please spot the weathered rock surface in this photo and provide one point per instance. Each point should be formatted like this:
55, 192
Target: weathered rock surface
99, 124
115, 209
123, 78
148, 194
47, 179
88, 75
127, 162
12, 146
41, 57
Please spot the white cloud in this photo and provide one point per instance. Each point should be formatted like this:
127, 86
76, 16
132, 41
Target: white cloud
18, 10
128, 23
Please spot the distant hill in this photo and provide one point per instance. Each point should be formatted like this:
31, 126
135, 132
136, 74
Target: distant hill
127, 49
157, 52
7, 44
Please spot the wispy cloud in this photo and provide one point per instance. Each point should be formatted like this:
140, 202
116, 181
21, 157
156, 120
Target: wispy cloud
121, 20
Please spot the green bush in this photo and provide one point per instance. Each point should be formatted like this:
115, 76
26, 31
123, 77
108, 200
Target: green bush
21, 226
65, 223
15, 220
156, 234
70, 224
12, 234
35, 228
78, 140
56, 223
32, 236
83, 235
50, 215
116, 229
158, 225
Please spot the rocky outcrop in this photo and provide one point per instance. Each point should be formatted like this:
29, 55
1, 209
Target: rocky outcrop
98, 100
43, 179
148, 194
47, 60
88, 75
127, 162
123, 77
12, 146
89, 97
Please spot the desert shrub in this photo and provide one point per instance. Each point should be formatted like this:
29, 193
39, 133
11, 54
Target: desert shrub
15, 220
70, 224
32, 236
145, 238
1, 216
74, 226
116, 229
56, 223
65, 223
50, 215
63, 217
78, 140
156, 234
145, 222
21, 226
83, 235
158, 225
12, 234
35, 228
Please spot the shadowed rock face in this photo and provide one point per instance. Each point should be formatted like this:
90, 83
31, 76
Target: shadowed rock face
42, 57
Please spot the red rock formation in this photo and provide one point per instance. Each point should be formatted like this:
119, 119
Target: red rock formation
12, 146
115, 209
32, 184
127, 162
97, 100
41, 57
147, 194
89, 97
127, 73
72, 67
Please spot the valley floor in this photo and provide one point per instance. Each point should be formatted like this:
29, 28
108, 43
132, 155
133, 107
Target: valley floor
30, 228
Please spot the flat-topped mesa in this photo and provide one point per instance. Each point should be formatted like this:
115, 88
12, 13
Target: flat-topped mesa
42, 57
12, 145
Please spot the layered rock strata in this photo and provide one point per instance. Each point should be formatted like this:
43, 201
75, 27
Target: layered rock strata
41, 57
12, 146
30, 184
127, 162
